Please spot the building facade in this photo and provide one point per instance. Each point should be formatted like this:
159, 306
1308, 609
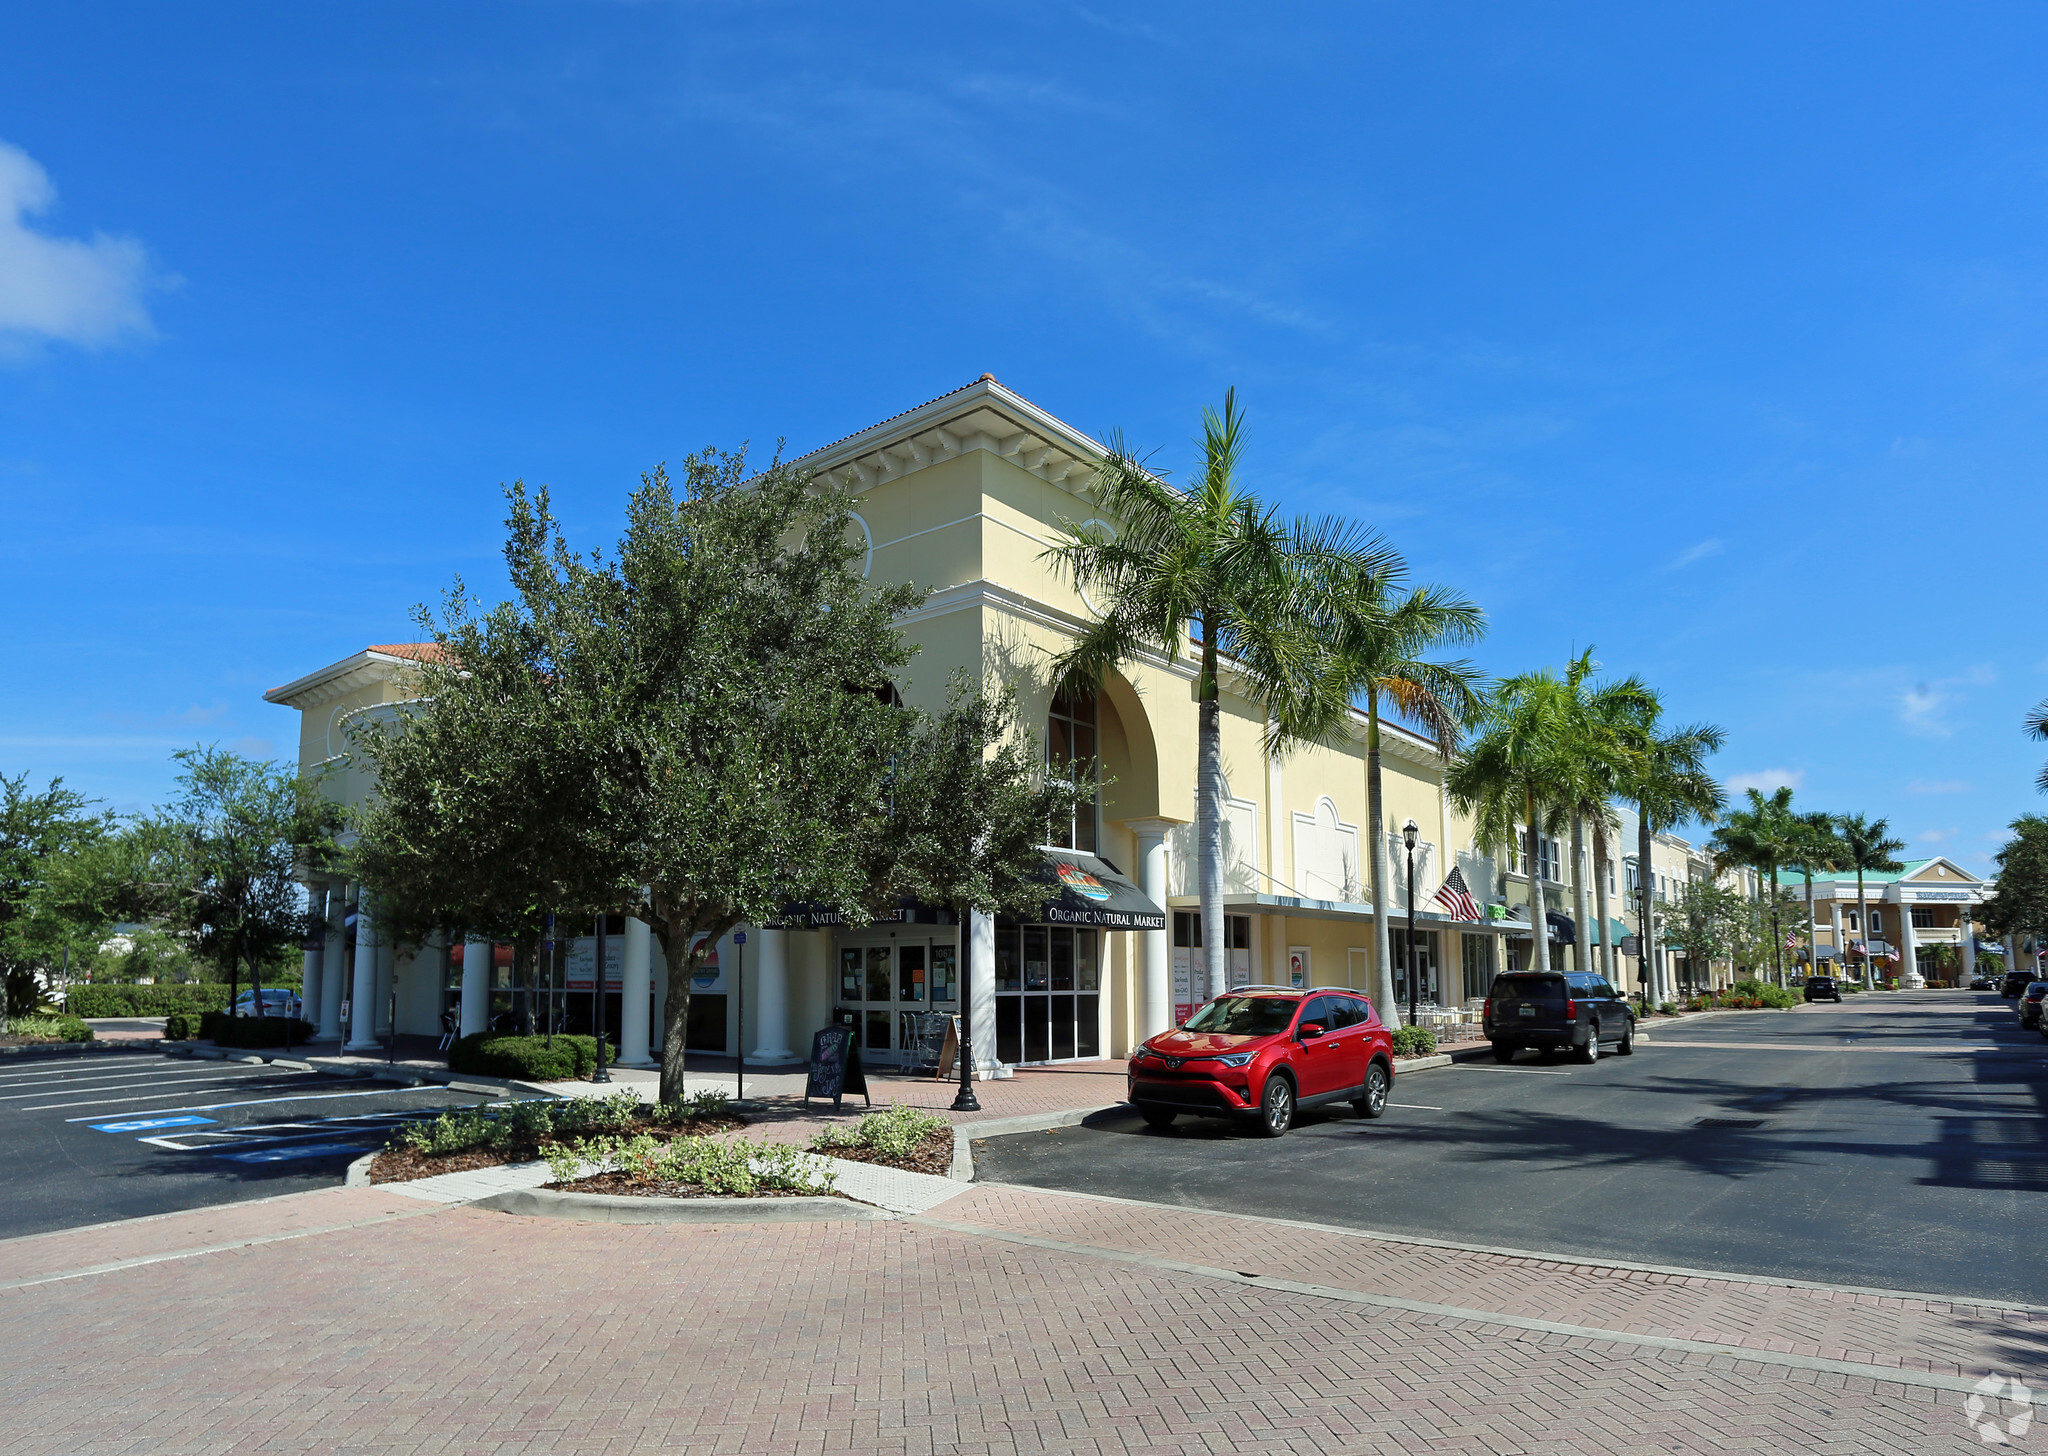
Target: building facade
963, 496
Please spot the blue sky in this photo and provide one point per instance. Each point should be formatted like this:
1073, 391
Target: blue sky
1711, 335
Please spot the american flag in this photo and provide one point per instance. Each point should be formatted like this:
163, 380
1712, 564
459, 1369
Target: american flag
1456, 896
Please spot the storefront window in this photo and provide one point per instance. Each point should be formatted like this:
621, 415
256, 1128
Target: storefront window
1070, 751
1048, 992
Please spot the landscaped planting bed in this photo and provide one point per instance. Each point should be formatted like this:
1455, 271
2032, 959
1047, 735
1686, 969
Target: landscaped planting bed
897, 1137
686, 1167
519, 1132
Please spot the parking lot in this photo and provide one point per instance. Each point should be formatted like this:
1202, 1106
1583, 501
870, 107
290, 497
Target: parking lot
1895, 1141
119, 1134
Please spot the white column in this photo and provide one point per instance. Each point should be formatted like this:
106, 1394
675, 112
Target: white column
1909, 948
363, 993
1969, 944
771, 999
387, 975
332, 989
1841, 945
315, 957
635, 987
1155, 1000
476, 986
983, 973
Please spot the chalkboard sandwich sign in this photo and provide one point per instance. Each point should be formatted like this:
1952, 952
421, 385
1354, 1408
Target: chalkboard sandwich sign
835, 1067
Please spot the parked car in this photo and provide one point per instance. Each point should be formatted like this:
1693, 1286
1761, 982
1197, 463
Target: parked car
1984, 983
2029, 1004
1823, 988
1264, 1053
1553, 1011
276, 1002
2012, 983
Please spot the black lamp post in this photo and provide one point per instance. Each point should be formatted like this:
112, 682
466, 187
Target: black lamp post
1408, 831
966, 1101
597, 980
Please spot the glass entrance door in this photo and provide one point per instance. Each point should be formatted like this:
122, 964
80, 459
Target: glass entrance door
881, 983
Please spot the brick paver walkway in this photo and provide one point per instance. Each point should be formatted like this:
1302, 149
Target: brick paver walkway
455, 1330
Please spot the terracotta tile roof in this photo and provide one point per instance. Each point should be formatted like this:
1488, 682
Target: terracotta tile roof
984, 379
417, 651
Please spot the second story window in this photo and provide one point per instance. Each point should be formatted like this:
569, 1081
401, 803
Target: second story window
1070, 751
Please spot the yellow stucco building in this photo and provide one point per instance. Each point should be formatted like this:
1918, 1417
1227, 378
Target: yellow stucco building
962, 496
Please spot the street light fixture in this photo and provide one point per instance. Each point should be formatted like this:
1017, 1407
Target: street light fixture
1408, 832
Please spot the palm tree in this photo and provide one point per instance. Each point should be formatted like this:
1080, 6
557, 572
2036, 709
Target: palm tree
1512, 771
1375, 645
1764, 837
2037, 727
1820, 848
1668, 781
1599, 760
1213, 570
1867, 846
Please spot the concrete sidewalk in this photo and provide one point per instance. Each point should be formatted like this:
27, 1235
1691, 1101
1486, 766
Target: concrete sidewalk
1008, 1321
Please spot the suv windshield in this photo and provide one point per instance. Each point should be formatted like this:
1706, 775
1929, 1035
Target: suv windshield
1531, 988
1245, 1015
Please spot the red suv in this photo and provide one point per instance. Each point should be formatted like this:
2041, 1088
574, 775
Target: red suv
1265, 1052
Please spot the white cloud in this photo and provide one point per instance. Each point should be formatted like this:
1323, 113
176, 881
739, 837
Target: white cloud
1713, 546
71, 290
1938, 786
1767, 780
1935, 836
1923, 709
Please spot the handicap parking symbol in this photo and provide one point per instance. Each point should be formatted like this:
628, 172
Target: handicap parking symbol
148, 1124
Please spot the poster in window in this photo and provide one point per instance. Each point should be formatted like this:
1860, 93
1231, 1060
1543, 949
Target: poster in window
1297, 965
581, 960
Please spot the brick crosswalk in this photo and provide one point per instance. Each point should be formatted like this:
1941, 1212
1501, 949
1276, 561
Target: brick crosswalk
457, 1330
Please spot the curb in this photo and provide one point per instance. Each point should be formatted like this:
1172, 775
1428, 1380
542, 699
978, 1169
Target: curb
615, 1208
359, 1172
1407, 1066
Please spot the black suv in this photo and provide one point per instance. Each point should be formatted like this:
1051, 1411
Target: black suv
1822, 988
2014, 983
1555, 1011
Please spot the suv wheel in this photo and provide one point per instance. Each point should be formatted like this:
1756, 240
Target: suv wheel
1503, 1051
1626, 1047
1276, 1106
1590, 1052
1377, 1085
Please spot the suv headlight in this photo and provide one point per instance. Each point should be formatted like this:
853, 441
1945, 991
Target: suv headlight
1237, 1059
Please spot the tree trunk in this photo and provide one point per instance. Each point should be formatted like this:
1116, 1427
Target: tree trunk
1539, 927
1382, 941
255, 977
1209, 819
1600, 900
235, 979
1579, 891
1777, 931
1812, 937
1863, 925
1646, 880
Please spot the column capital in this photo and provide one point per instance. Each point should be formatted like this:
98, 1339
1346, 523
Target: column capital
1151, 828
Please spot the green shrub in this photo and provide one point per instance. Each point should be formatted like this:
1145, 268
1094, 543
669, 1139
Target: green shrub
526, 1058
894, 1132
192, 999
1849, 988
177, 1027
709, 1103
45, 1027
254, 1032
1668, 1008
1414, 1041
729, 1166
1764, 994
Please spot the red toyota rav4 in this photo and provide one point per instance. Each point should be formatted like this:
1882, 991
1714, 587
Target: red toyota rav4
1265, 1052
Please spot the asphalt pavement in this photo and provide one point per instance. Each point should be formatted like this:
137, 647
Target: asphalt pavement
88, 1137
1895, 1141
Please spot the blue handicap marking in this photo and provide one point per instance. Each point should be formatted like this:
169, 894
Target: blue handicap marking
282, 1155
149, 1124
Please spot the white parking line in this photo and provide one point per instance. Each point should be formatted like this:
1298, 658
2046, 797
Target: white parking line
44, 1089
262, 1101
1518, 1071
116, 1087
138, 1078
1415, 1106
32, 1079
